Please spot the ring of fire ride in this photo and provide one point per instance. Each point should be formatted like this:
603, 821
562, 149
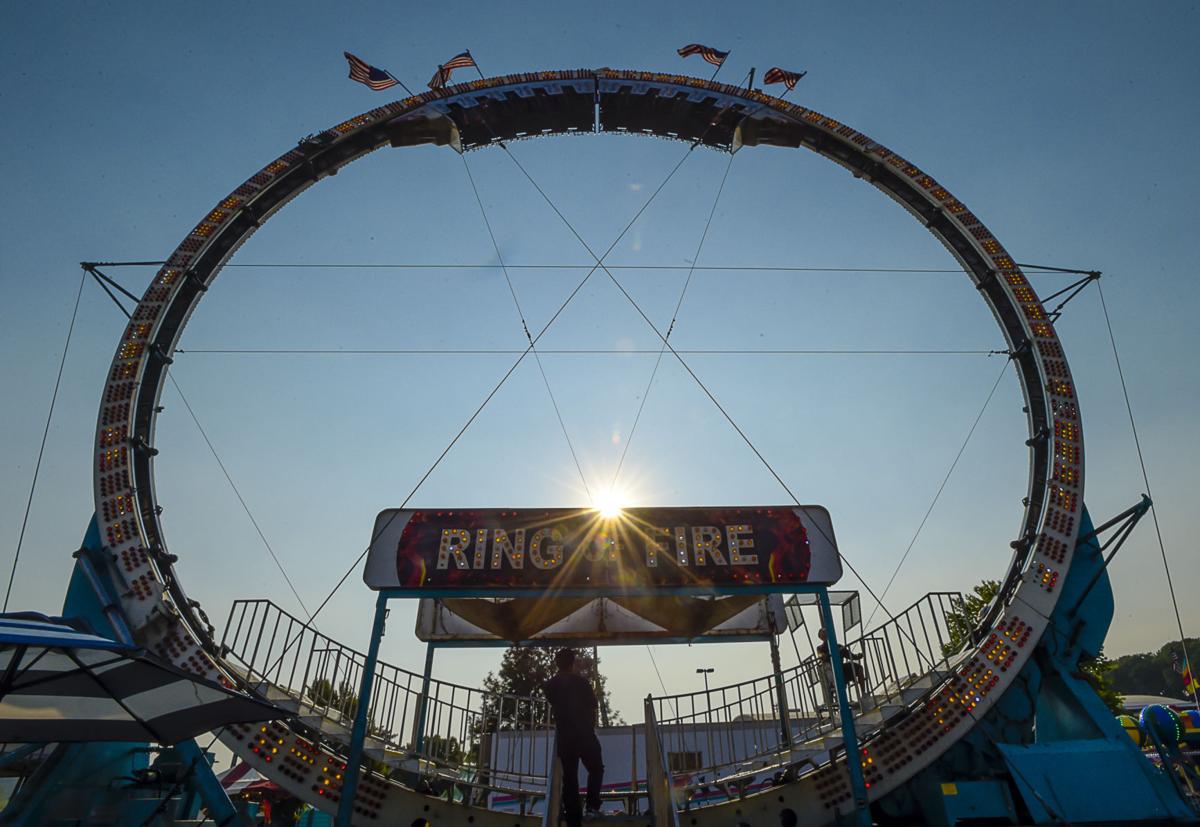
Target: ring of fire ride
721, 117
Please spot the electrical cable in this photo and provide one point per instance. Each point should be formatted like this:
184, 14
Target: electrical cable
42, 448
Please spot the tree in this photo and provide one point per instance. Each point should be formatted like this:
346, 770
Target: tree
522, 672
966, 613
343, 700
1098, 672
446, 749
1151, 673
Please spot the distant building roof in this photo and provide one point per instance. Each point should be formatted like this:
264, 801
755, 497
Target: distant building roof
1137, 702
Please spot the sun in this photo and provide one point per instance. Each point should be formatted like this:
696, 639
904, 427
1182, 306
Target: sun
609, 503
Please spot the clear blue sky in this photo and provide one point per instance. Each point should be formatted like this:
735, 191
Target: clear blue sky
1069, 128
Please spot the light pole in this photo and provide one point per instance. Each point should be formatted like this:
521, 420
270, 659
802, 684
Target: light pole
707, 705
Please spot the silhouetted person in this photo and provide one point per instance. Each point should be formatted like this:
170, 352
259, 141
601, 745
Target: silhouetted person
852, 672
575, 711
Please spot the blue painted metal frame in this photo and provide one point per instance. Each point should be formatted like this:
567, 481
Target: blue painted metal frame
361, 715
849, 737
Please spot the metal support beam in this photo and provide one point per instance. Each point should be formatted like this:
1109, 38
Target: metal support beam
423, 701
551, 816
849, 738
1131, 516
785, 721
361, 716
205, 783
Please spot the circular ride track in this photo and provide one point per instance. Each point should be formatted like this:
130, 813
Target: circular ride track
484, 112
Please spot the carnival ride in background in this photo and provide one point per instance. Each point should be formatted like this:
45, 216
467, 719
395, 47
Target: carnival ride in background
1005, 728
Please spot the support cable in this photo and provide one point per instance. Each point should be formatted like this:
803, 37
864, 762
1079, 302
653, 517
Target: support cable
745, 438
575, 266
674, 317
525, 327
212, 449
241, 499
578, 352
1162, 548
504, 378
42, 448
600, 264
666, 694
941, 488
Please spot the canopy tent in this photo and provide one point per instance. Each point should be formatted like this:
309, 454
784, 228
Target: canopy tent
60, 682
245, 779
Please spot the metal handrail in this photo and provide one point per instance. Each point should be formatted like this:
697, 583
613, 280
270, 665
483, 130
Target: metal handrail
445, 734
453, 742
737, 726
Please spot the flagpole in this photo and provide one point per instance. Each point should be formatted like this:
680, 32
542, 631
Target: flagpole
475, 63
720, 66
402, 86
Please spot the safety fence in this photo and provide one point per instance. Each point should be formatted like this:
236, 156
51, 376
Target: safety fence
433, 735
731, 740
495, 749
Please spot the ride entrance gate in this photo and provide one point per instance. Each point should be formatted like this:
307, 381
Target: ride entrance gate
541, 559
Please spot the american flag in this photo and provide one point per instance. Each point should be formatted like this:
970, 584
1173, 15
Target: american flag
713, 56
363, 72
460, 61
788, 79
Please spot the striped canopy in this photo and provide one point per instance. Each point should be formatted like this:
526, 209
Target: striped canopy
61, 683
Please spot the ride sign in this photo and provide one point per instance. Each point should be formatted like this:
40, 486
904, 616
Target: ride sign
584, 552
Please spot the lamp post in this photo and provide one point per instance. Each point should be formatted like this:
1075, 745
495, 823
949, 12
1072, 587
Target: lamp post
705, 673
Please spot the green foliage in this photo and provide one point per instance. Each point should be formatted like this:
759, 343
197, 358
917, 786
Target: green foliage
1098, 672
1151, 673
522, 672
341, 699
966, 613
445, 749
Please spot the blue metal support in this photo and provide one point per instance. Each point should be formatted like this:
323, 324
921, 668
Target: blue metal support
21, 752
205, 783
361, 716
423, 700
849, 738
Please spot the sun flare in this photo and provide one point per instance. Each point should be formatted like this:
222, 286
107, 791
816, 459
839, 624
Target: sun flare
609, 503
